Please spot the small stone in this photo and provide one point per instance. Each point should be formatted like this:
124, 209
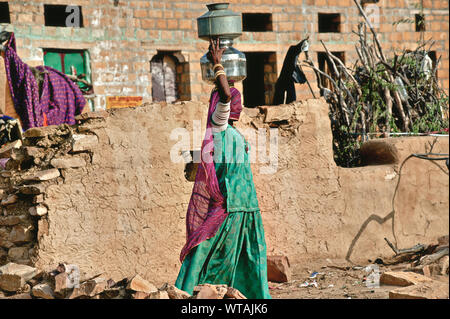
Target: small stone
40, 131
11, 199
4, 233
277, 113
90, 288
7, 173
159, 295
398, 278
206, 291
443, 240
14, 276
43, 291
233, 293
5, 243
431, 270
82, 142
443, 265
39, 210
91, 125
33, 151
45, 175
68, 162
222, 290
12, 165
38, 199
426, 290
278, 269
18, 253
251, 111
114, 293
25, 288
35, 189
6, 150
61, 281
141, 295
137, 283
3, 255
20, 296
174, 292
12, 220
101, 114
21, 234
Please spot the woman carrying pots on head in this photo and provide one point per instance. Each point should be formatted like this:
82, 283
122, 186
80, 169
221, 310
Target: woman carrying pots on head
225, 235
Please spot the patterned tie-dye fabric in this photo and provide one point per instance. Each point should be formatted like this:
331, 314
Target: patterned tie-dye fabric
60, 101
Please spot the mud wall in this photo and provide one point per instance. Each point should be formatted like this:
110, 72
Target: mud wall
111, 200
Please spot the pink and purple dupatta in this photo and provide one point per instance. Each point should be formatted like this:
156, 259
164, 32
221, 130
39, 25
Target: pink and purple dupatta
207, 206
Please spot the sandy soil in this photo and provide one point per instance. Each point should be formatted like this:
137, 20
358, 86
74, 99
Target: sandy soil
335, 282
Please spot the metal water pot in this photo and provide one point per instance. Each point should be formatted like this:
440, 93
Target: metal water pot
226, 25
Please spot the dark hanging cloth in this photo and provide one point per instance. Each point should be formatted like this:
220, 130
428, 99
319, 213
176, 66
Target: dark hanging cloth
290, 74
59, 102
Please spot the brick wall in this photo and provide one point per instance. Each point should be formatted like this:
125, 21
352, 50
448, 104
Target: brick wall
123, 38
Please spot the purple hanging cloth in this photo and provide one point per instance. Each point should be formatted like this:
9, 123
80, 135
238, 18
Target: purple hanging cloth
60, 101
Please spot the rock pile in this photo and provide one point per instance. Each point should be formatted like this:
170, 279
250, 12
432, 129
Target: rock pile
24, 282
39, 161
424, 272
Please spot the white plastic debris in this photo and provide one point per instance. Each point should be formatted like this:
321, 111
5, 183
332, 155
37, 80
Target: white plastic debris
309, 284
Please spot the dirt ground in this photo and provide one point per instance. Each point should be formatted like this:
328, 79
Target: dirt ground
335, 282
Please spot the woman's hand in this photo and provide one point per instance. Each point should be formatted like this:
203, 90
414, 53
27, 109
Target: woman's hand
215, 55
215, 52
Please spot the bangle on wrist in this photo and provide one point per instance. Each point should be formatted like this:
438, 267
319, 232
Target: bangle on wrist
218, 73
216, 66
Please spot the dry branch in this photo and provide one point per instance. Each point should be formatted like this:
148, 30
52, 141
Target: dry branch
380, 94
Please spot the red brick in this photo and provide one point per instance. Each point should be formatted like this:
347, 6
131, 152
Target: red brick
186, 24
172, 24
147, 23
155, 14
161, 24
285, 26
141, 13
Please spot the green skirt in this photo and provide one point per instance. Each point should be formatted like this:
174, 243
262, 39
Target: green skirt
235, 256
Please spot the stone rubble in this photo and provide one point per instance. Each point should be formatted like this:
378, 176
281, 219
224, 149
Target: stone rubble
13, 276
25, 282
425, 275
403, 279
43, 291
426, 290
39, 161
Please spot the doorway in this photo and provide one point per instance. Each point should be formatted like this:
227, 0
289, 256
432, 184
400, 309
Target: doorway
164, 75
326, 67
259, 86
